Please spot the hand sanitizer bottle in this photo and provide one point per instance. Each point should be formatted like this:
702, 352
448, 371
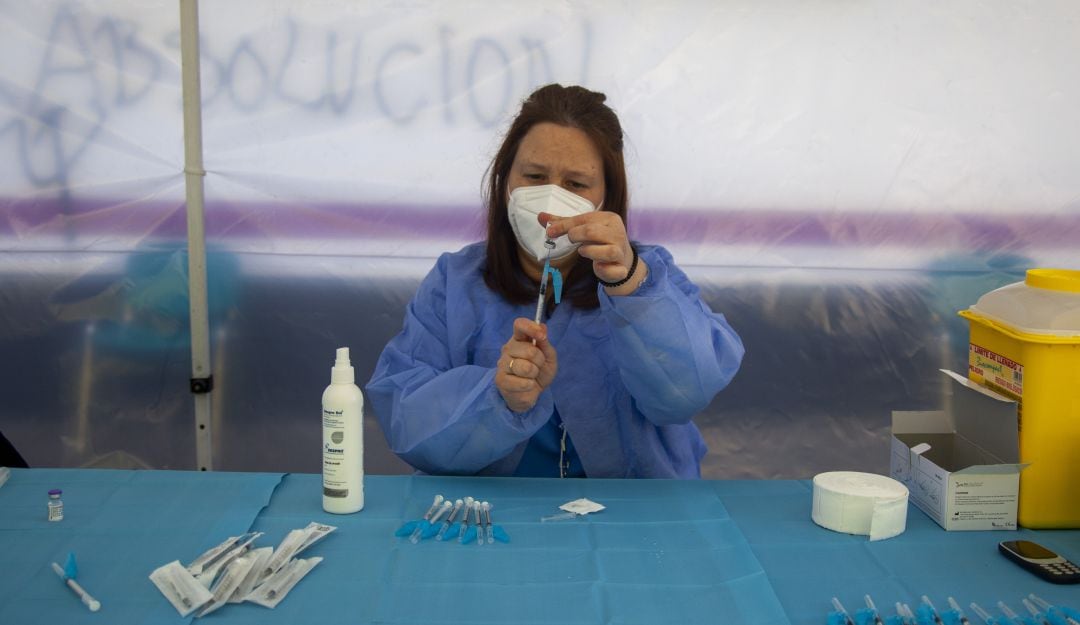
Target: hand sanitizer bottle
343, 439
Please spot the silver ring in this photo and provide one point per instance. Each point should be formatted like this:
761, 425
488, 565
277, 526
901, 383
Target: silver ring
510, 367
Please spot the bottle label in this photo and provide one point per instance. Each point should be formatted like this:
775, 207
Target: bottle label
56, 513
334, 471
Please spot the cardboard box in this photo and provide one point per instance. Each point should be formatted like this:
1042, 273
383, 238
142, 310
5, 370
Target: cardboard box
962, 464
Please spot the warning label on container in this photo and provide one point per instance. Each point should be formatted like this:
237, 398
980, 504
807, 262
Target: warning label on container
997, 370
1002, 374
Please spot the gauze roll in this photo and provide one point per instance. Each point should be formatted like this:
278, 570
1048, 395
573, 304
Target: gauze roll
860, 503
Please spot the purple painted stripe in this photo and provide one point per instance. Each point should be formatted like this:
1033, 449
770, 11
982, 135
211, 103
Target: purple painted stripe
26, 219
861, 229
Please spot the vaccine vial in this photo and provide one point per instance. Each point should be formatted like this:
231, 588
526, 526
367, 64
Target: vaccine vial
56, 507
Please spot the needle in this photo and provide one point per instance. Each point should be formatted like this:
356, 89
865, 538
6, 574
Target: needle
840, 608
550, 245
84, 596
873, 610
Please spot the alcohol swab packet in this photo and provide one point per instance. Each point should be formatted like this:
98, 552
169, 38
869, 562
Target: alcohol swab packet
272, 591
582, 506
182, 590
574, 509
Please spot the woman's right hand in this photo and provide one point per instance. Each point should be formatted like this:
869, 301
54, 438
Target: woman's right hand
524, 370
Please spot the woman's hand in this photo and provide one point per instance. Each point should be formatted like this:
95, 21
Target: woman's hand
524, 370
603, 239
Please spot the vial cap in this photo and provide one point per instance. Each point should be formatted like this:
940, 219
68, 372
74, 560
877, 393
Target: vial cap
56, 492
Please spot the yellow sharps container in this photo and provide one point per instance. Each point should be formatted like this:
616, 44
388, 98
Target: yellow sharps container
1025, 344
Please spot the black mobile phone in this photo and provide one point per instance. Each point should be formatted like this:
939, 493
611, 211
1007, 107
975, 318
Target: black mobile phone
1041, 561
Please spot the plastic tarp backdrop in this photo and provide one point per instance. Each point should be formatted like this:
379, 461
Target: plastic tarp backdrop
839, 178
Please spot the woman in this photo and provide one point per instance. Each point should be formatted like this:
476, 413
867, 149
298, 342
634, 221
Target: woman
606, 385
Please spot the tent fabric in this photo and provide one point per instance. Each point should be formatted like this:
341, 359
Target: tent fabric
839, 179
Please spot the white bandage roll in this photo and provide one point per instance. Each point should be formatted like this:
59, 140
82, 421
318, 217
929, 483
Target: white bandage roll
860, 503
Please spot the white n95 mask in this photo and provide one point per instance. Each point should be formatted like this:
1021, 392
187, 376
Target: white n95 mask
526, 203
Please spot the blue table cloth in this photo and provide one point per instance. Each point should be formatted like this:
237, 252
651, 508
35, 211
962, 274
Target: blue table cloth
663, 551
120, 525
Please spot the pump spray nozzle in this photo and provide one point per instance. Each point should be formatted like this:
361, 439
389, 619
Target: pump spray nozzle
342, 373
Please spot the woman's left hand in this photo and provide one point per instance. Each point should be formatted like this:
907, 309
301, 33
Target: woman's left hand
603, 239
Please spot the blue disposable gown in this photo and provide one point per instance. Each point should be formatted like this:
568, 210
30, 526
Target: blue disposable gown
632, 373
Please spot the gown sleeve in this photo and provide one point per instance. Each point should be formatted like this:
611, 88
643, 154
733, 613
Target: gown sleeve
439, 413
674, 354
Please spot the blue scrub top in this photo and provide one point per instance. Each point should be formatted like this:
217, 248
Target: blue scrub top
632, 373
541, 457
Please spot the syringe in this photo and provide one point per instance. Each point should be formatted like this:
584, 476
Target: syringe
465, 520
933, 610
908, 614
1035, 611
540, 298
449, 520
959, 612
443, 509
873, 610
1007, 611
282, 578
550, 245
486, 508
422, 525
840, 608
84, 596
1046, 607
983, 614
902, 614
479, 523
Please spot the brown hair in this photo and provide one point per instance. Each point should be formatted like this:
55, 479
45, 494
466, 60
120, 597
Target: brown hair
574, 107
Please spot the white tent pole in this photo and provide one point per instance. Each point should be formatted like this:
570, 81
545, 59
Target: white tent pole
202, 382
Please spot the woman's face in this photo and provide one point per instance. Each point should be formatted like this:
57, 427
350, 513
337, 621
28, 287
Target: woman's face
559, 155
563, 156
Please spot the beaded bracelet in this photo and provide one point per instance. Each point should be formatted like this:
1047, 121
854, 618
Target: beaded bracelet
629, 274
